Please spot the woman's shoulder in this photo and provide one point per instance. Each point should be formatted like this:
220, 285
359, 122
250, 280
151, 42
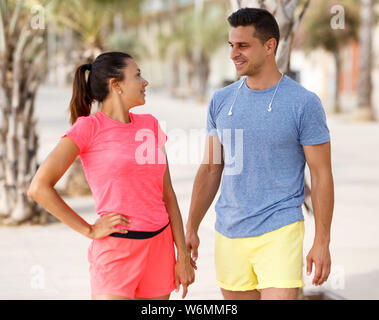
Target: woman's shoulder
86, 120
144, 118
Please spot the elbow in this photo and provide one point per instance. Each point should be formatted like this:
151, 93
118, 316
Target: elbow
31, 192
34, 189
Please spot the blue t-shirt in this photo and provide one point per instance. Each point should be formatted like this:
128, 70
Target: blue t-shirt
262, 186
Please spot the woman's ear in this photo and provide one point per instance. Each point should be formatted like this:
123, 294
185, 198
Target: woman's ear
114, 85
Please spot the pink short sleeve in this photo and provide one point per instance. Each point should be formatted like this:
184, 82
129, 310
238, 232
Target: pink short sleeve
160, 136
81, 133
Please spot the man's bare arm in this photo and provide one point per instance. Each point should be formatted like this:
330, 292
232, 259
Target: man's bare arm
206, 184
318, 158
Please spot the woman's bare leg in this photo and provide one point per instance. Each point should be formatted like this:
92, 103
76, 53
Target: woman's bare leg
109, 297
166, 297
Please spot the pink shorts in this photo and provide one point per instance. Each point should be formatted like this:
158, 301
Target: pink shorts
131, 268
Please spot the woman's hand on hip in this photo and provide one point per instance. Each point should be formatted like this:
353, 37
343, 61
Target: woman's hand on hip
109, 223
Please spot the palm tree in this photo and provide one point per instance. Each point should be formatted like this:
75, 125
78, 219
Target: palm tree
211, 31
22, 68
364, 111
318, 33
95, 26
194, 36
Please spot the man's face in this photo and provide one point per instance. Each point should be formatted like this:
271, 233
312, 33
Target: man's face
246, 51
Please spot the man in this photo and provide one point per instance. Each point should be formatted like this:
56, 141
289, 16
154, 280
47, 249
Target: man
273, 126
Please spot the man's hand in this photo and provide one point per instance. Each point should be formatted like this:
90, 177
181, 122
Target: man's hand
320, 256
192, 243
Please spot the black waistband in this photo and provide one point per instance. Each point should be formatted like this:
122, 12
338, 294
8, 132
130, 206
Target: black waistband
131, 234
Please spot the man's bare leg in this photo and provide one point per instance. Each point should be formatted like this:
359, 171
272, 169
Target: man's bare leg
241, 295
279, 294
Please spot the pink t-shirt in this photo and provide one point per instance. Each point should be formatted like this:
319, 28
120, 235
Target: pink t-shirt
124, 166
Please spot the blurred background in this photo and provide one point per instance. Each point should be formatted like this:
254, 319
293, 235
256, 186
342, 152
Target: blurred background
328, 46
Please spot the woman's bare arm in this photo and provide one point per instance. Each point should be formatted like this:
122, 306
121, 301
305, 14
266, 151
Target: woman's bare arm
184, 267
42, 191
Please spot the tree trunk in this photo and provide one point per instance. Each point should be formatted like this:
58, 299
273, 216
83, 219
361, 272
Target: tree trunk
191, 71
364, 111
22, 68
337, 64
76, 184
174, 56
203, 73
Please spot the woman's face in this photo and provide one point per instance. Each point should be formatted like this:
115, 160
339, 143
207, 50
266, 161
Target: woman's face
133, 86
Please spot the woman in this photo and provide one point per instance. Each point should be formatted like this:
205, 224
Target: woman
132, 253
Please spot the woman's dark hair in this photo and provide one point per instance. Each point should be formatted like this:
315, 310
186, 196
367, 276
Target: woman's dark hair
263, 21
106, 66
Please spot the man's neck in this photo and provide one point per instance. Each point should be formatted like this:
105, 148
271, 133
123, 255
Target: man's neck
264, 79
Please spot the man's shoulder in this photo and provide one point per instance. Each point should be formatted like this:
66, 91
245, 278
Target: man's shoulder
299, 92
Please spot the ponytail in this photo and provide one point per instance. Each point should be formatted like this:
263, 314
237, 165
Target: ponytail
106, 66
81, 101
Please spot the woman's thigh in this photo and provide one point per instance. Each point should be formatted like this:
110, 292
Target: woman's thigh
109, 297
166, 297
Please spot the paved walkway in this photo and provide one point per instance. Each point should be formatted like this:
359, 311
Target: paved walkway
50, 262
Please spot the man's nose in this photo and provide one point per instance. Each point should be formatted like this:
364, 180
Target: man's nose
234, 53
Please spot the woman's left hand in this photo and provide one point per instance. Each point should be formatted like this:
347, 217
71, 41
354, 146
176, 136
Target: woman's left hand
184, 274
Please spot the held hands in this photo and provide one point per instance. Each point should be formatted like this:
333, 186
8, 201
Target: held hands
107, 224
185, 266
184, 273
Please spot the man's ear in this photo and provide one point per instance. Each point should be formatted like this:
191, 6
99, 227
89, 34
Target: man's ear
270, 46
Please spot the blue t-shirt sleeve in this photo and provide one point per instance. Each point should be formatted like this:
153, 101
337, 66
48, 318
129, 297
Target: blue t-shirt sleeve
211, 119
313, 126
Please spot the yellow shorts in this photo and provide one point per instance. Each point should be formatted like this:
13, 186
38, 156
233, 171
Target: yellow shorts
273, 259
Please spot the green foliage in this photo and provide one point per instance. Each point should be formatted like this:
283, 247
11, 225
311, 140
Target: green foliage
125, 42
206, 30
92, 20
318, 31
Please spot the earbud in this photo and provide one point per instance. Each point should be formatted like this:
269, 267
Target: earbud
235, 97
